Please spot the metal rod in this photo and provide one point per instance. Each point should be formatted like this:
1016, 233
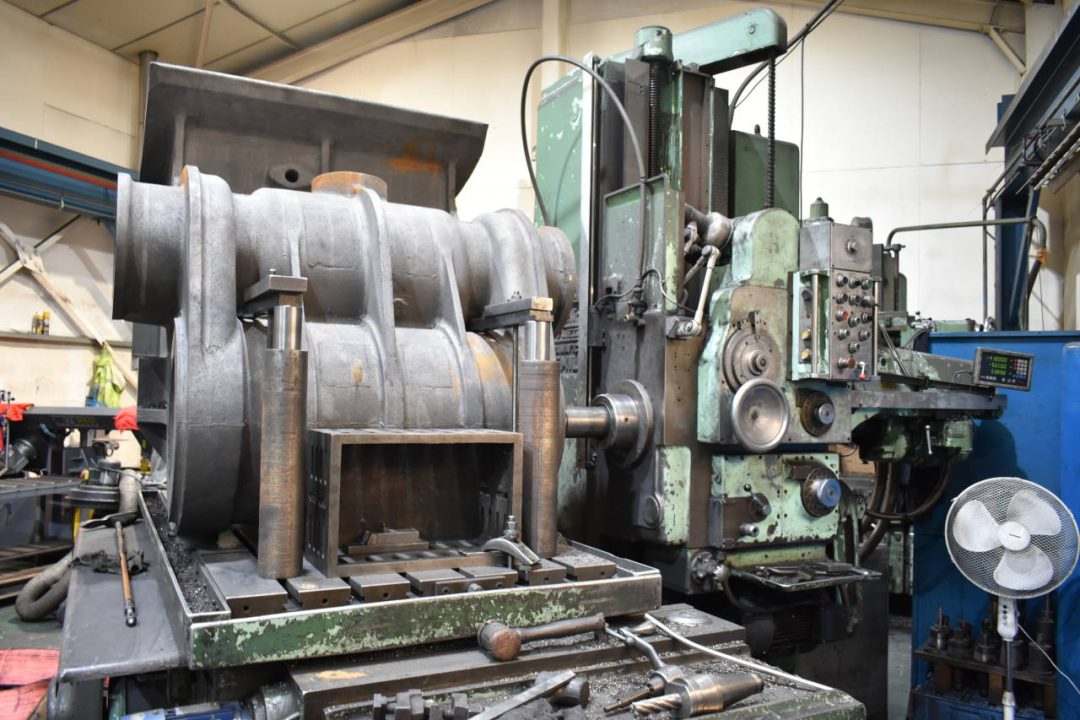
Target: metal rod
1040, 229
1033, 220
125, 578
770, 170
815, 322
587, 422
515, 366
699, 314
735, 659
541, 689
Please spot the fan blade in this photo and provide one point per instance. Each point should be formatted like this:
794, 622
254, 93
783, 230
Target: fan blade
1034, 513
974, 528
1024, 570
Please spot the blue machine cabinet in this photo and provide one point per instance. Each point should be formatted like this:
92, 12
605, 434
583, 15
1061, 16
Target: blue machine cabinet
1037, 438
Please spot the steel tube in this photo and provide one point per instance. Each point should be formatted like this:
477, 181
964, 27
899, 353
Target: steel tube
281, 463
285, 323
587, 422
541, 422
1040, 231
537, 340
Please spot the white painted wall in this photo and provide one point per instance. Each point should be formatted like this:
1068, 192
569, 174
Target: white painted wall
896, 115
64, 90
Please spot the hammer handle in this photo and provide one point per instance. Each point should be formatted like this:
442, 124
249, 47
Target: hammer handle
562, 628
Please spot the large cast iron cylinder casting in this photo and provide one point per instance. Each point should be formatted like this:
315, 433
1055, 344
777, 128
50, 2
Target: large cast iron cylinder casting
390, 291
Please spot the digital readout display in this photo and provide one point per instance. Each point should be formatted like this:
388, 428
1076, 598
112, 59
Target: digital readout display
1003, 369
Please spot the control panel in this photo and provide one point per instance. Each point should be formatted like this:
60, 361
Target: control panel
1000, 368
833, 301
833, 315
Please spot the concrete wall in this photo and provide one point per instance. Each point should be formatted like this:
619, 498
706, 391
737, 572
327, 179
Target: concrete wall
896, 115
64, 90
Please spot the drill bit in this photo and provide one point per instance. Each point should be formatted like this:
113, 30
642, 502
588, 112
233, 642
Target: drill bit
671, 701
628, 700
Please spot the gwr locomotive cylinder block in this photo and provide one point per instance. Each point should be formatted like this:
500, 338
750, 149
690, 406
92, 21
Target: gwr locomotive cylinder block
390, 290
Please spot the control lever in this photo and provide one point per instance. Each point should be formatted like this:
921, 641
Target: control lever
661, 676
503, 642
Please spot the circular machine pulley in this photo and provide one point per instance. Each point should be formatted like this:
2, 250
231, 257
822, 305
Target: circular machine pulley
750, 353
631, 421
759, 415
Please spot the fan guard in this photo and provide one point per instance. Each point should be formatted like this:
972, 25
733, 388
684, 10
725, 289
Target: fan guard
1011, 537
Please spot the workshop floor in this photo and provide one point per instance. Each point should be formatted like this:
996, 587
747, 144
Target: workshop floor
16, 634
899, 665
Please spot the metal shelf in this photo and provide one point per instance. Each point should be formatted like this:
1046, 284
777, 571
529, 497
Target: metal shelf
13, 336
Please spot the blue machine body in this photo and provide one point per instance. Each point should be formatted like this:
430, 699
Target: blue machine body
1037, 438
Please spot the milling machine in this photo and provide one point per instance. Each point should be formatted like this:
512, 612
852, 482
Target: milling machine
726, 360
357, 399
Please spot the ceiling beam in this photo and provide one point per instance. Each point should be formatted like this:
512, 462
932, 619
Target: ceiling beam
972, 15
364, 39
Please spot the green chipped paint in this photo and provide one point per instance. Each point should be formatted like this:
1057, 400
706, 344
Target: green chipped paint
417, 621
764, 252
621, 234
764, 249
558, 155
737, 477
730, 43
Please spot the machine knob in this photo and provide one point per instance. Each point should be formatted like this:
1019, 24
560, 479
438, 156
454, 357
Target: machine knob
842, 333
852, 246
867, 301
805, 335
841, 298
841, 280
825, 413
842, 315
853, 320
866, 317
804, 356
864, 335
853, 347
820, 494
847, 363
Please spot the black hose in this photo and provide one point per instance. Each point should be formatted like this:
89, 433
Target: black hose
879, 502
614, 101
873, 539
40, 597
874, 503
927, 506
642, 177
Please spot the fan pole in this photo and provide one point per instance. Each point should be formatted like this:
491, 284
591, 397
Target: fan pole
1007, 630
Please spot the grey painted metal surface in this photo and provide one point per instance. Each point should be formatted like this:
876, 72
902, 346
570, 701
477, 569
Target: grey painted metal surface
391, 288
258, 134
96, 642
